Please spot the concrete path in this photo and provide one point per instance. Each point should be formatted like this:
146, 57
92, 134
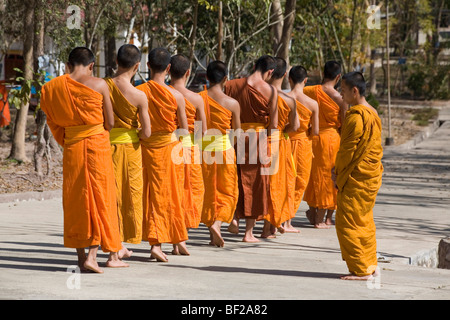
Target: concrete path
412, 215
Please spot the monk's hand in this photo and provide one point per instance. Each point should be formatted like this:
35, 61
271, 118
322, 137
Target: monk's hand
333, 177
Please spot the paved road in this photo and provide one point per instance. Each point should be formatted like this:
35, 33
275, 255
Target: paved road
412, 214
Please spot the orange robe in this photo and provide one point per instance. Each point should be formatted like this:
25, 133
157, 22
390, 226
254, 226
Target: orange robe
193, 178
127, 160
320, 192
301, 145
282, 182
75, 117
254, 190
358, 178
220, 177
5, 116
164, 219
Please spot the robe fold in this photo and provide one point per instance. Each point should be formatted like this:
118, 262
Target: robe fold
220, 177
282, 182
301, 145
164, 218
193, 178
358, 178
320, 192
75, 117
254, 192
127, 160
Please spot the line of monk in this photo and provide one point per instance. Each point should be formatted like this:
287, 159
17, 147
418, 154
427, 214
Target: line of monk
151, 162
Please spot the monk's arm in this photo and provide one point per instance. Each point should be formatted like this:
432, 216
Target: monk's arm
144, 118
201, 115
181, 112
315, 120
273, 109
108, 112
350, 137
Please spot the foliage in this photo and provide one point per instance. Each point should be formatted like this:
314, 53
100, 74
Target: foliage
22, 95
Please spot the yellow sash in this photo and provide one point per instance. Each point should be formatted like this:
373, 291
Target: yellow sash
188, 140
160, 139
254, 126
298, 135
75, 134
216, 143
123, 135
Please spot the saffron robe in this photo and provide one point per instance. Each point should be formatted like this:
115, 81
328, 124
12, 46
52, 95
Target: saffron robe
75, 117
358, 178
320, 192
164, 218
282, 182
254, 187
193, 178
220, 177
5, 116
301, 145
127, 160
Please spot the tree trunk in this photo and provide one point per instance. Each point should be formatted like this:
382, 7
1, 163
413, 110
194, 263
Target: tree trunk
285, 41
277, 28
219, 32
18, 144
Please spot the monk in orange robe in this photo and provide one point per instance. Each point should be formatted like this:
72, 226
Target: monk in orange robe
258, 104
282, 181
301, 140
164, 219
358, 174
131, 122
5, 116
78, 109
320, 193
219, 158
195, 111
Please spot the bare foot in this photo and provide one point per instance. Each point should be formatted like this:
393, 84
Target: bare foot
351, 276
124, 253
116, 264
268, 236
182, 249
281, 229
329, 222
321, 226
250, 238
216, 235
92, 266
291, 229
158, 254
233, 227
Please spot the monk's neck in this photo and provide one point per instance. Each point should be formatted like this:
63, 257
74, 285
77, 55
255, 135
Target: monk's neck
298, 90
329, 85
216, 89
124, 75
159, 78
179, 84
277, 84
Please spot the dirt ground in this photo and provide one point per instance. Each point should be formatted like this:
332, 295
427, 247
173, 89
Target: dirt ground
21, 177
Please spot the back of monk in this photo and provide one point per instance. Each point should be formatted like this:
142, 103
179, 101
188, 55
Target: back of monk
164, 219
301, 145
282, 182
127, 160
193, 179
75, 117
5, 116
254, 193
220, 176
320, 192
359, 172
